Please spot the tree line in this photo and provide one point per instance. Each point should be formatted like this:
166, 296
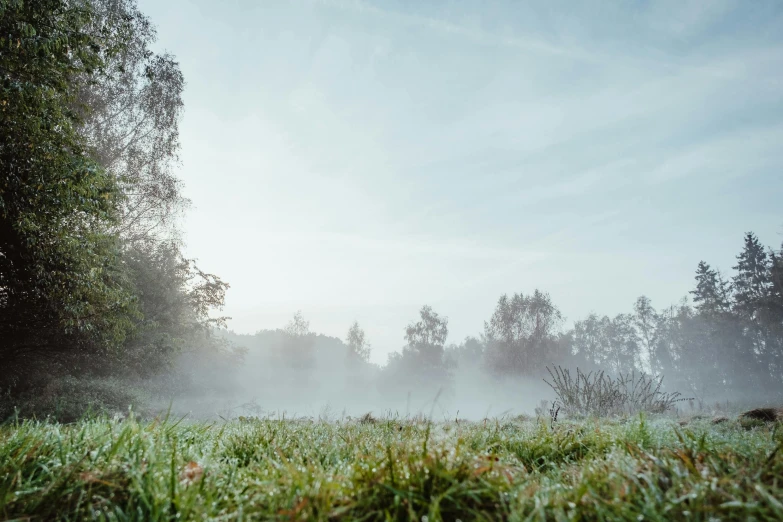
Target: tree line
725, 341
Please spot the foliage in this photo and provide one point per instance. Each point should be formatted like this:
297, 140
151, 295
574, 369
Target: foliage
358, 347
68, 399
612, 344
132, 122
175, 299
599, 394
390, 469
91, 280
62, 288
426, 337
729, 343
711, 293
469, 353
298, 347
522, 335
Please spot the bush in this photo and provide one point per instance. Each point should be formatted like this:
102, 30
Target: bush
596, 393
68, 399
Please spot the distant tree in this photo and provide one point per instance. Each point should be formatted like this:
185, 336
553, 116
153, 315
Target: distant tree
298, 326
358, 347
752, 292
773, 313
468, 354
711, 293
426, 338
522, 335
298, 346
609, 344
422, 363
776, 279
774, 305
751, 282
647, 320
589, 340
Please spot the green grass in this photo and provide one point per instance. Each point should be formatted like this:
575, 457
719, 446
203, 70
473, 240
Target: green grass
391, 469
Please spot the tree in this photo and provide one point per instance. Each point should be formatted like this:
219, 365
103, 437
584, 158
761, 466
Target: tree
426, 338
62, 288
298, 326
589, 340
298, 343
358, 347
175, 299
132, 122
776, 281
751, 284
610, 344
646, 320
468, 354
773, 313
752, 290
422, 364
522, 335
710, 295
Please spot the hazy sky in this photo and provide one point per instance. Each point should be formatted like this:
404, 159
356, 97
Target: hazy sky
357, 160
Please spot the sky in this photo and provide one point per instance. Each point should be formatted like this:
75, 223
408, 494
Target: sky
356, 160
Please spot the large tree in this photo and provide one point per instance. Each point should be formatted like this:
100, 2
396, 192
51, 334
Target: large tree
61, 285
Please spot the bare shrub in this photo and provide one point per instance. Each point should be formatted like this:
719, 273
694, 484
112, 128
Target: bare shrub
596, 393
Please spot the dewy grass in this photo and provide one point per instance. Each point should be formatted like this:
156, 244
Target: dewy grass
642, 468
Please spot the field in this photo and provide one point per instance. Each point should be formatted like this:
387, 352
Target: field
638, 468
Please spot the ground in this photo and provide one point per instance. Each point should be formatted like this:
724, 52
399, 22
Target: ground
638, 468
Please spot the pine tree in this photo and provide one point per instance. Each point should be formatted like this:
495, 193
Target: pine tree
751, 284
776, 281
759, 352
710, 296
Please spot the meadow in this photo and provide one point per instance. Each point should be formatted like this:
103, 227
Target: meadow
643, 467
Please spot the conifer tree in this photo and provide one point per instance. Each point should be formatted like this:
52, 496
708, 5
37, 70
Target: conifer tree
751, 284
710, 295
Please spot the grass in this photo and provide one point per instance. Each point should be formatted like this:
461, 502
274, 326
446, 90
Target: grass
392, 469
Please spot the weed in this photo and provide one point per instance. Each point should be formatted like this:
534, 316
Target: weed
598, 394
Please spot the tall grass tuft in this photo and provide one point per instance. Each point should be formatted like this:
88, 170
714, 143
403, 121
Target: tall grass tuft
598, 394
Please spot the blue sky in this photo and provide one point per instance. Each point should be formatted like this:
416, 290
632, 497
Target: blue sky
358, 159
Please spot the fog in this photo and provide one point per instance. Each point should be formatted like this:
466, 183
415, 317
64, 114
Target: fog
282, 392
333, 393
702, 351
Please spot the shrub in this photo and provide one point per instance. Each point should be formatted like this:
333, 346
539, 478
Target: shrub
68, 399
596, 393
